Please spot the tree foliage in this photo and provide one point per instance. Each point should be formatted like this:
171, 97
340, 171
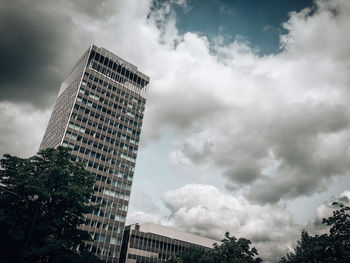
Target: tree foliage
231, 250
42, 202
327, 248
193, 254
235, 250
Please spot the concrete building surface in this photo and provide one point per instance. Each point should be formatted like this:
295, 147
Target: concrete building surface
153, 243
98, 114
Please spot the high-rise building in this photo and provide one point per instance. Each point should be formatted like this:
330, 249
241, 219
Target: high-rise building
153, 243
98, 113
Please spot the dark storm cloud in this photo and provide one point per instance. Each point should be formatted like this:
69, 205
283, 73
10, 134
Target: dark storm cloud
99, 10
244, 173
275, 155
35, 51
310, 143
182, 111
199, 155
304, 144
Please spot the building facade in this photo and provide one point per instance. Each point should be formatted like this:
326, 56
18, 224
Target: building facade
98, 114
153, 243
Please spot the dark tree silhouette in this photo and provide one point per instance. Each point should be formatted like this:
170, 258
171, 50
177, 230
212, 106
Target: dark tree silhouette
231, 250
42, 202
327, 248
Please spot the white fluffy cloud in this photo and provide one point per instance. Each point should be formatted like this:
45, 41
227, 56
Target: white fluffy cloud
204, 210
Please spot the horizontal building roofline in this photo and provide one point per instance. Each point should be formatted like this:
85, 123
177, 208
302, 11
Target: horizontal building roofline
174, 233
119, 60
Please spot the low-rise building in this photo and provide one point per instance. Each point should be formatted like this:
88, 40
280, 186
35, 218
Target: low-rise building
153, 243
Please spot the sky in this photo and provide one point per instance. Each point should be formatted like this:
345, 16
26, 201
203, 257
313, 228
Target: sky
247, 123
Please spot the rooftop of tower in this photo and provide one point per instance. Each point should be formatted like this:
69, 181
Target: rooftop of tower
120, 61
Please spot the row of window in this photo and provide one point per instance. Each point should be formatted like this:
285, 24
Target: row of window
103, 226
111, 94
99, 107
104, 128
100, 250
98, 116
119, 117
108, 94
104, 168
112, 193
89, 142
154, 245
115, 151
99, 156
114, 142
106, 239
149, 259
109, 215
111, 104
100, 126
128, 156
108, 203
104, 179
102, 91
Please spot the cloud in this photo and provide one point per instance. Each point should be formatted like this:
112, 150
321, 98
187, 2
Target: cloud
206, 211
137, 216
42, 41
18, 134
141, 199
325, 210
277, 122
277, 126
35, 51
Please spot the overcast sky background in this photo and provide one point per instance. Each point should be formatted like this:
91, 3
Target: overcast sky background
247, 124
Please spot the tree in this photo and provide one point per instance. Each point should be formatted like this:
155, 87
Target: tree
192, 254
43, 200
326, 248
175, 259
231, 250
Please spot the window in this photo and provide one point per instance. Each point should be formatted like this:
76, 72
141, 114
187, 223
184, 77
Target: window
113, 241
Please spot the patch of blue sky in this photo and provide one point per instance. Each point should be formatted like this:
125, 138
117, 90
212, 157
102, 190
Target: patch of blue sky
258, 22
